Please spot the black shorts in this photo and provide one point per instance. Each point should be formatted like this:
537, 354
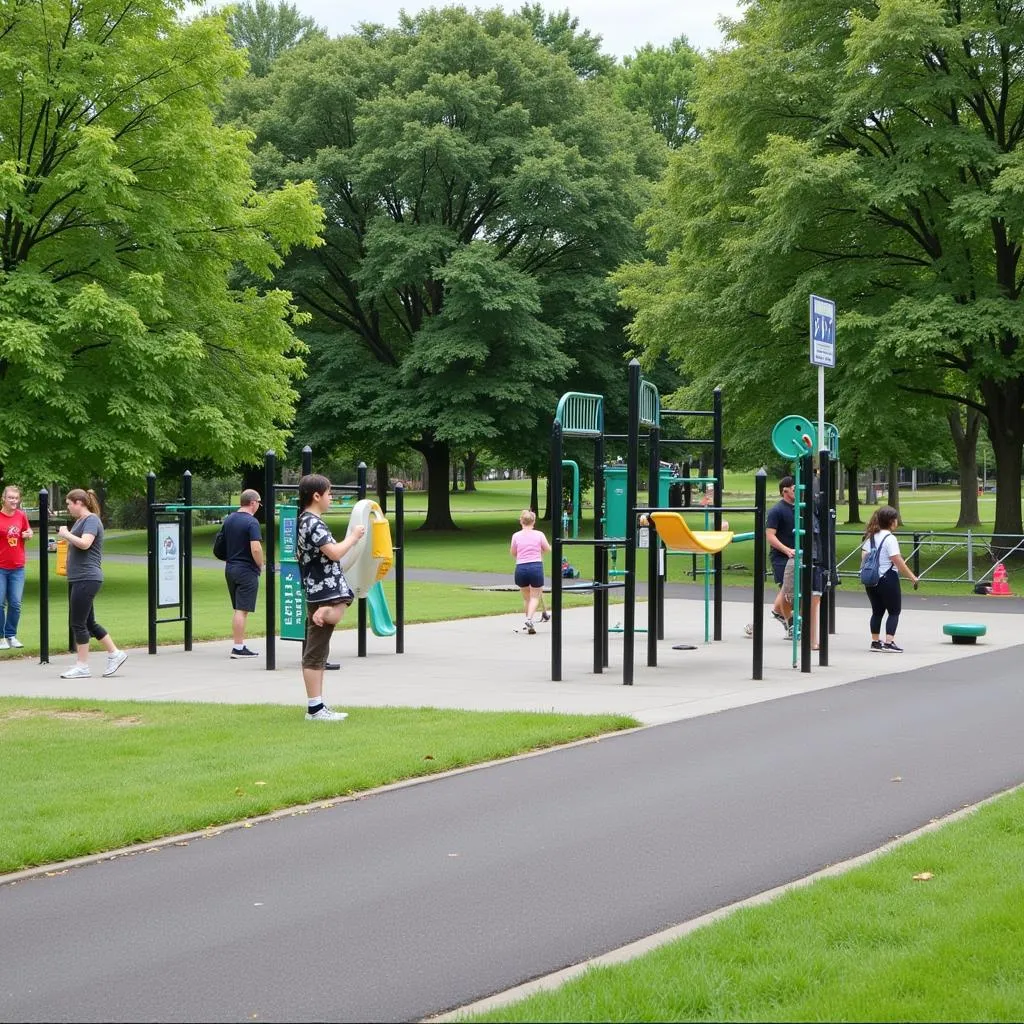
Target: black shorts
530, 574
243, 586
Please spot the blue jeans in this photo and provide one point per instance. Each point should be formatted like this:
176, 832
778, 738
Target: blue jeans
12, 588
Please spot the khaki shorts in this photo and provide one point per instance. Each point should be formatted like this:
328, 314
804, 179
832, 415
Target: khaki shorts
817, 581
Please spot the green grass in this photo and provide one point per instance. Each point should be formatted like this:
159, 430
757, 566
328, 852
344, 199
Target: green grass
870, 945
124, 772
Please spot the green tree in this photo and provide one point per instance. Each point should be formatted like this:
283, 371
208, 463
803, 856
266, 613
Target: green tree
560, 33
660, 82
265, 30
869, 152
477, 194
123, 211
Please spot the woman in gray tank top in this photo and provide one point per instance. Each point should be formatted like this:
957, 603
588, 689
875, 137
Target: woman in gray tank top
85, 577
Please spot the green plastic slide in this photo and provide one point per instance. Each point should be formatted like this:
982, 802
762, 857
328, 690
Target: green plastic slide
380, 614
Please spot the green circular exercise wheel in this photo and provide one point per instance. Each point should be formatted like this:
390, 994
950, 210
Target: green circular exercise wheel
794, 436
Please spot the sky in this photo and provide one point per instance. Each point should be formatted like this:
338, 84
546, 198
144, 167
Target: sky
624, 25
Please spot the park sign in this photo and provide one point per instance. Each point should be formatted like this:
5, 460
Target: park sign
823, 331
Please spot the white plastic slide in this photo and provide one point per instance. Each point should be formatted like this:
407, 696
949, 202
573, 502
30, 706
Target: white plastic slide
370, 560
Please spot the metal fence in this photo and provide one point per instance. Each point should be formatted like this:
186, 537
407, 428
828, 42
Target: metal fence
968, 557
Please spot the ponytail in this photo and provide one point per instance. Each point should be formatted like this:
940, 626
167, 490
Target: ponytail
88, 498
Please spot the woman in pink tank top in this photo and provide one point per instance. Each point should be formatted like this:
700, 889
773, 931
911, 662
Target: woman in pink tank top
528, 548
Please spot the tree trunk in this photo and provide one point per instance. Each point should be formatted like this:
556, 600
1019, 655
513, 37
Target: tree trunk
469, 472
965, 440
455, 478
1003, 401
840, 485
383, 479
534, 490
439, 510
853, 512
894, 485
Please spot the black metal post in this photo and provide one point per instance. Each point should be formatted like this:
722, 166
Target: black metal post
917, 554
307, 460
833, 578
269, 544
400, 569
186, 557
632, 472
44, 577
760, 502
806, 558
361, 612
718, 460
600, 562
555, 483
655, 590
151, 566
824, 546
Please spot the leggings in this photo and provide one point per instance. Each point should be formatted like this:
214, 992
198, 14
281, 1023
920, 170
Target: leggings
81, 595
886, 599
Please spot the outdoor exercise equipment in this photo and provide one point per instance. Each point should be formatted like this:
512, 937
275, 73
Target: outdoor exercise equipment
675, 532
964, 632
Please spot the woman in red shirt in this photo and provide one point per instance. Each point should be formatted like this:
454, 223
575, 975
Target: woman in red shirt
14, 531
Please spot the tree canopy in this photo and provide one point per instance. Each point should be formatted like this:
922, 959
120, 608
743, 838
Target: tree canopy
868, 152
265, 30
124, 211
477, 192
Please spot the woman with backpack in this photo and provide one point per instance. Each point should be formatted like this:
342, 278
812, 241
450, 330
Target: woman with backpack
886, 599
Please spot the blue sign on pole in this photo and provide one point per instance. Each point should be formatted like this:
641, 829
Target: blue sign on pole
823, 331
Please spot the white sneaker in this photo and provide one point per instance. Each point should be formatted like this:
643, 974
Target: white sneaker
529, 627
114, 662
14, 643
4, 644
325, 714
76, 672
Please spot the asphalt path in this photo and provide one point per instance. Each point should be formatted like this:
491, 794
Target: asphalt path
422, 898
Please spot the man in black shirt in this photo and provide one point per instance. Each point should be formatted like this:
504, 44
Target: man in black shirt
244, 556
780, 530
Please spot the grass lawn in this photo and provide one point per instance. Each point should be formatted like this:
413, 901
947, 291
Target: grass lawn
870, 945
125, 772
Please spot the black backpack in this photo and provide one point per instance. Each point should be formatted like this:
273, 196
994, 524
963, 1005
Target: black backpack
220, 545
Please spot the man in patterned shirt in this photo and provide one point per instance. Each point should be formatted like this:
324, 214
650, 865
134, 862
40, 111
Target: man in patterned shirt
327, 592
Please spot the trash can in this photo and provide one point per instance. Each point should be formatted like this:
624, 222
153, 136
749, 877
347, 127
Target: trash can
615, 497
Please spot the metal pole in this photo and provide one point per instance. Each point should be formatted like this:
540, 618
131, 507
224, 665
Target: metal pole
655, 590
833, 576
361, 612
632, 472
151, 567
307, 460
600, 560
186, 556
719, 464
270, 573
555, 483
400, 569
44, 577
806, 558
760, 503
823, 565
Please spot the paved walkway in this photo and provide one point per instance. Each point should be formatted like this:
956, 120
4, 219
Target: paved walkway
485, 664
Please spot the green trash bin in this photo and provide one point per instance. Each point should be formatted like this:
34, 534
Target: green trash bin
615, 497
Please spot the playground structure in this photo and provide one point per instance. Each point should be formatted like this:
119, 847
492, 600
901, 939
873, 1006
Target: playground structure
368, 561
170, 558
581, 415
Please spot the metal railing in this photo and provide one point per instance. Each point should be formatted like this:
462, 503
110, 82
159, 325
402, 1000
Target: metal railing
934, 552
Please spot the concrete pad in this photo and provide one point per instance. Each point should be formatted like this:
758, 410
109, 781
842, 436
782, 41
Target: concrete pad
485, 664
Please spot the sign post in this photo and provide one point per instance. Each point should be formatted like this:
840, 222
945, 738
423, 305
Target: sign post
292, 600
823, 350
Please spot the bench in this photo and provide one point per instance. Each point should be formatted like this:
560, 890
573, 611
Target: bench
964, 632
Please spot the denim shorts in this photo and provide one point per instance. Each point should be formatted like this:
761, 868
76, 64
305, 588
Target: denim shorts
530, 574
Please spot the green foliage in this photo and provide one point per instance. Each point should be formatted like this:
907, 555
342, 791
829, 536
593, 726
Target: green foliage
477, 193
266, 30
123, 211
660, 82
868, 153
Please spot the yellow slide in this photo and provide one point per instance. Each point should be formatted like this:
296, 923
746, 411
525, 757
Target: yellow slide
677, 535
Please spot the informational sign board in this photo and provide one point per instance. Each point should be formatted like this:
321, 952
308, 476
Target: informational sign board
168, 560
291, 601
823, 331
